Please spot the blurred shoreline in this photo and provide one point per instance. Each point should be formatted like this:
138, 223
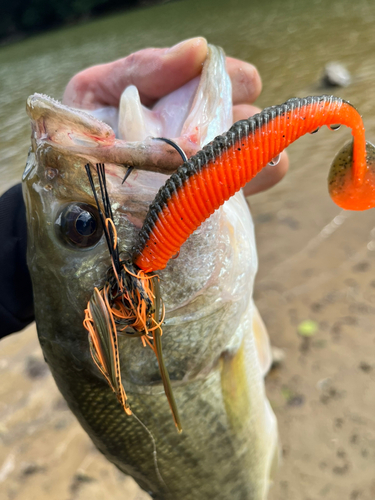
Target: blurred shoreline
37, 21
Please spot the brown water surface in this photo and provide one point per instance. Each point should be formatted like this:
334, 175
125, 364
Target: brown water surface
316, 261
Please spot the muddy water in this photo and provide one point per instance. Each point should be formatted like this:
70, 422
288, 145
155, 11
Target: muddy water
316, 262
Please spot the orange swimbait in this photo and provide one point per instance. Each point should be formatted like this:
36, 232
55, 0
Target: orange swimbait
209, 178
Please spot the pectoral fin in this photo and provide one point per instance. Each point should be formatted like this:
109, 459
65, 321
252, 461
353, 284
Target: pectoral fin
262, 341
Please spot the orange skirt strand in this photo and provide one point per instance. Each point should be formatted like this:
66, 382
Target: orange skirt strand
216, 173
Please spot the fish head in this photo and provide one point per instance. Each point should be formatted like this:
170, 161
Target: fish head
63, 263
204, 290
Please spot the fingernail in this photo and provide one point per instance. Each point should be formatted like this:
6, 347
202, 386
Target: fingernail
191, 41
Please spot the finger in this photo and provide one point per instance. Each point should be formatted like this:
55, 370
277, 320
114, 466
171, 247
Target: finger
269, 175
244, 111
155, 72
246, 82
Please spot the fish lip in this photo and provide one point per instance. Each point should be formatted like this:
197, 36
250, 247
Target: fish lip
78, 132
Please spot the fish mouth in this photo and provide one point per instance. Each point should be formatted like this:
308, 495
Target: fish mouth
190, 116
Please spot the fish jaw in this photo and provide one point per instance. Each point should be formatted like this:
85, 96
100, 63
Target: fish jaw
192, 116
206, 290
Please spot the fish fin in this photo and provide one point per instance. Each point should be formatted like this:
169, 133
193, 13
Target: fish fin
249, 412
262, 341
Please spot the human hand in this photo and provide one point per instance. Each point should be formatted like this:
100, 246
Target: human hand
156, 73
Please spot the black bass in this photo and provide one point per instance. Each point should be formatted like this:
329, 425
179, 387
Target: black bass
229, 441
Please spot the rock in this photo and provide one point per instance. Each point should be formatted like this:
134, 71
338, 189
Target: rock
336, 75
31, 468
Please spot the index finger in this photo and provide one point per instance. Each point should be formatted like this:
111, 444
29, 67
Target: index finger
155, 73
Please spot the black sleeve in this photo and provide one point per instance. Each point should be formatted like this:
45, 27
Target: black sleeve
16, 295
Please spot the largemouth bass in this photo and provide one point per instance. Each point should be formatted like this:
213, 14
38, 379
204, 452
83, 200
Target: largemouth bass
229, 441
215, 346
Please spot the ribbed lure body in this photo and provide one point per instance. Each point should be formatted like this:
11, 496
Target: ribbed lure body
213, 175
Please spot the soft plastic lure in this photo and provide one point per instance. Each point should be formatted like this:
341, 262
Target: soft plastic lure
204, 182
129, 302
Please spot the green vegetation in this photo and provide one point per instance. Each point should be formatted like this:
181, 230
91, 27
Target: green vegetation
21, 17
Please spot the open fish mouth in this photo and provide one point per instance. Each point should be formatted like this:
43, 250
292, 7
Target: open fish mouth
64, 140
191, 115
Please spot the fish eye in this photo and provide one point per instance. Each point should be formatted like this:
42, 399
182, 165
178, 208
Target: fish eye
79, 225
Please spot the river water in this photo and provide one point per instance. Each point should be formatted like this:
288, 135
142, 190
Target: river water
316, 261
289, 41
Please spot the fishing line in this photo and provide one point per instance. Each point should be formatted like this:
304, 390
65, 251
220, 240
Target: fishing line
155, 453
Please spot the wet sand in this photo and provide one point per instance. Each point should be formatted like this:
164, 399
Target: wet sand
323, 393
